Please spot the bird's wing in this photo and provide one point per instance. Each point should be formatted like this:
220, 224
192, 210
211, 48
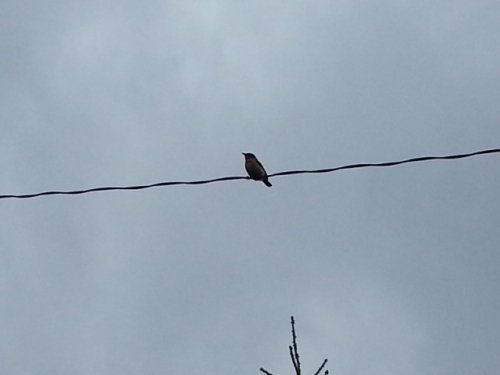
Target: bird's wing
260, 165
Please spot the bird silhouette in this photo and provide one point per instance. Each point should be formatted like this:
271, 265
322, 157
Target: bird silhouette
255, 169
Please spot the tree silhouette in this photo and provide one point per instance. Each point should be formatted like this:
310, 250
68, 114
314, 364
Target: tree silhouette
294, 355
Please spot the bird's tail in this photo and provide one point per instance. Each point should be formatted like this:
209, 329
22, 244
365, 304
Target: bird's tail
266, 181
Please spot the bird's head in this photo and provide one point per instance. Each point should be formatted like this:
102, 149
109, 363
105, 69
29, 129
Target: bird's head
248, 156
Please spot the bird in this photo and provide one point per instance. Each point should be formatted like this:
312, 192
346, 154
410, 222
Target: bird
255, 169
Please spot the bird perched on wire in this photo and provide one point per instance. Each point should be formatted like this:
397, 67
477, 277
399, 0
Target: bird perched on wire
255, 169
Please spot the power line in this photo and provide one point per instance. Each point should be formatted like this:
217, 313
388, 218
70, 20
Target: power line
229, 178
389, 163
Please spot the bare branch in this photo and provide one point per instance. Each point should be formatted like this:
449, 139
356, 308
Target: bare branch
265, 371
295, 365
294, 355
321, 368
295, 350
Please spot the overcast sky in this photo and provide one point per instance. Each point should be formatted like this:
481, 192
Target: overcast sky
387, 271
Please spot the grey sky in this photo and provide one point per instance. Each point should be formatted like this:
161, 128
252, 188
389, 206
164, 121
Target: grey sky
387, 271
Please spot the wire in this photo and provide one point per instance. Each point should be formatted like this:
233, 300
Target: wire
389, 163
230, 178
